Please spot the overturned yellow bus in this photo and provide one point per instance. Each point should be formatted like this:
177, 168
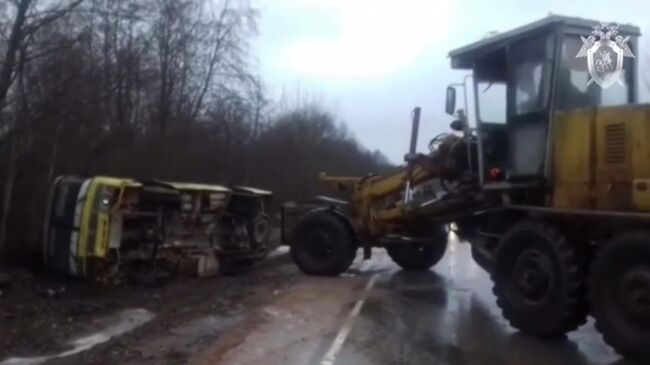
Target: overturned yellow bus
106, 228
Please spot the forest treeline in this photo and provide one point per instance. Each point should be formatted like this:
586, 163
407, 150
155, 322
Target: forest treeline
152, 89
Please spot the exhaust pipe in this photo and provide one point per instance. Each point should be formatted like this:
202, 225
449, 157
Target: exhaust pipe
415, 126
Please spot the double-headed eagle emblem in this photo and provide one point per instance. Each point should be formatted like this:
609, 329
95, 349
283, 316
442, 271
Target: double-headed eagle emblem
604, 55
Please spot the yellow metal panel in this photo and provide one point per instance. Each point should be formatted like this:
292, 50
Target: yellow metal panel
640, 141
573, 154
84, 228
397, 181
622, 137
641, 193
613, 137
101, 237
387, 185
598, 153
389, 214
94, 230
573, 196
641, 157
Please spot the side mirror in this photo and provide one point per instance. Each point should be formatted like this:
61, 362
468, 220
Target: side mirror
450, 102
457, 125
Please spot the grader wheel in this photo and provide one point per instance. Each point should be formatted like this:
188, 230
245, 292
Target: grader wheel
321, 244
619, 292
420, 256
539, 280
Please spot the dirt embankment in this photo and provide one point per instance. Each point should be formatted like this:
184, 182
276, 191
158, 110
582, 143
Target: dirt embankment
40, 315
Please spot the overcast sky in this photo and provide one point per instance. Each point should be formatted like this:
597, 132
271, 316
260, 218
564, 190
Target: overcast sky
372, 61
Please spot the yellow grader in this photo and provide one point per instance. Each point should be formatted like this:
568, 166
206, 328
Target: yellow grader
107, 228
550, 185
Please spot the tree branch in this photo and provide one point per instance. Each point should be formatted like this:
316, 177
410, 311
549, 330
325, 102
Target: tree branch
31, 57
7, 71
55, 15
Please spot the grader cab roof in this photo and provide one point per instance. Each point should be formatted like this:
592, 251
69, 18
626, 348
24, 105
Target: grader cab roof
463, 57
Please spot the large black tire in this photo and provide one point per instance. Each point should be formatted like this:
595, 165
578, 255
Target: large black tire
322, 244
420, 256
540, 280
619, 292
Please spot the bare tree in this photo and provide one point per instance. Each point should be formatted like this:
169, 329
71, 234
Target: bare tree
25, 25
16, 37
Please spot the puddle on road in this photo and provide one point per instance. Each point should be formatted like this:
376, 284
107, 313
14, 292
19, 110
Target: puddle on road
120, 324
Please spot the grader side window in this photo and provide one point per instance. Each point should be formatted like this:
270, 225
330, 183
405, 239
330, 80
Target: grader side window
492, 102
531, 65
532, 62
491, 91
529, 80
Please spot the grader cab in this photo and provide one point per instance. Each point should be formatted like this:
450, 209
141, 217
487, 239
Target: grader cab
550, 184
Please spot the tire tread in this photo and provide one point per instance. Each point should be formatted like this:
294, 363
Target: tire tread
574, 307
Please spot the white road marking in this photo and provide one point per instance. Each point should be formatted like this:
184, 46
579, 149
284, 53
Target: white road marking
342, 335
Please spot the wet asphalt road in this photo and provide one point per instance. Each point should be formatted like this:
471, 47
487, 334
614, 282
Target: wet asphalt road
378, 314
